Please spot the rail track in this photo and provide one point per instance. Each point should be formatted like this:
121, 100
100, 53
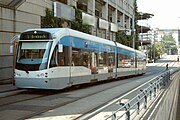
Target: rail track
27, 103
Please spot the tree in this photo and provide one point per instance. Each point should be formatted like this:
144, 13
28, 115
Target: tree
169, 44
136, 36
155, 50
159, 49
49, 21
78, 24
124, 39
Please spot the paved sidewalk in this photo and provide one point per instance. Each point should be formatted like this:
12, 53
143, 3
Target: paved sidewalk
7, 87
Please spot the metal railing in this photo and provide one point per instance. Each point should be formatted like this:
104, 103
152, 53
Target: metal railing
149, 93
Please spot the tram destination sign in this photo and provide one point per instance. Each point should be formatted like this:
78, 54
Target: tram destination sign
35, 36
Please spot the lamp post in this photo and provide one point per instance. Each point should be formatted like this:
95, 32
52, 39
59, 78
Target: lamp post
154, 52
141, 14
154, 56
133, 39
133, 26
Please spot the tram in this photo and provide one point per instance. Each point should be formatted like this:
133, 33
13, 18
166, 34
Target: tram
56, 58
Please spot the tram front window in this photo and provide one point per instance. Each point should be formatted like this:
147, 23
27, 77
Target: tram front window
32, 56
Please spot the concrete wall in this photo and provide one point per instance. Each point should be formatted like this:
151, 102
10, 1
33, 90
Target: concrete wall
12, 22
6, 33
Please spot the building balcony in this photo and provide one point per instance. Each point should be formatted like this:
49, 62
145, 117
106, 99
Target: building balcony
59, 9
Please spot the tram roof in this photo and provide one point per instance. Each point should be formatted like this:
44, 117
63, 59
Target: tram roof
141, 53
125, 47
55, 31
50, 30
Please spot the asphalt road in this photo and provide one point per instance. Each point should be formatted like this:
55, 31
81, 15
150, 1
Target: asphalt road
70, 105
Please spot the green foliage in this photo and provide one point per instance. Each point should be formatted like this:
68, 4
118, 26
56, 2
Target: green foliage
169, 44
49, 21
78, 24
169, 38
159, 49
124, 39
150, 51
136, 36
169, 41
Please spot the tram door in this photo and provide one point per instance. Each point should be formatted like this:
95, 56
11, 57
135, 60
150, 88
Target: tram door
93, 64
64, 62
111, 63
68, 61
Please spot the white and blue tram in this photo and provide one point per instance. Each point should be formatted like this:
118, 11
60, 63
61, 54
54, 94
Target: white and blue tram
56, 58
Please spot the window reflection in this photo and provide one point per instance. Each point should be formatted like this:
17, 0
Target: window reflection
76, 57
125, 61
34, 55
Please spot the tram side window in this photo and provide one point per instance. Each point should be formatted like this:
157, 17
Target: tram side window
94, 62
85, 58
138, 61
76, 57
103, 62
53, 62
125, 61
61, 60
120, 60
111, 58
141, 62
63, 57
106, 60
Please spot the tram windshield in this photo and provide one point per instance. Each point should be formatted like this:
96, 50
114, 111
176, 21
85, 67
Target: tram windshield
32, 56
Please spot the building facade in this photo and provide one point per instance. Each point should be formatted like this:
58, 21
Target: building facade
106, 17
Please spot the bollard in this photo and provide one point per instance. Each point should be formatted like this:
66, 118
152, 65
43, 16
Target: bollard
155, 91
138, 104
126, 107
114, 117
145, 100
